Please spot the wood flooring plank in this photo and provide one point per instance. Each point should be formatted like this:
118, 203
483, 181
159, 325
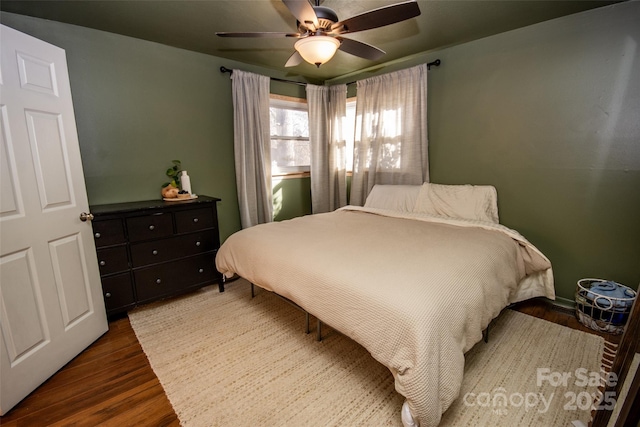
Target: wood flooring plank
134, 406
121, 359
62, 401
116, 340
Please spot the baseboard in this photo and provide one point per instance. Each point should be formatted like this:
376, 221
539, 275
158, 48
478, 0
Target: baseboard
564, 304
560, 304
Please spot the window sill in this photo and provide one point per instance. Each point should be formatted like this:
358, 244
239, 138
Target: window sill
293, 175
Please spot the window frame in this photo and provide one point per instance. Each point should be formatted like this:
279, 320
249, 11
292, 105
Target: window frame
301, 104
290, 103
351, 105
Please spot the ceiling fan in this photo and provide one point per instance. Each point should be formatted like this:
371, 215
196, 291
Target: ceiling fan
320, 31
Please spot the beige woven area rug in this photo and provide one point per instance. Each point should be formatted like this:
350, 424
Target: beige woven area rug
225, 359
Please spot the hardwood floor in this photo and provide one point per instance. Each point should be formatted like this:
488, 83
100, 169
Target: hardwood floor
543, 309
112, 384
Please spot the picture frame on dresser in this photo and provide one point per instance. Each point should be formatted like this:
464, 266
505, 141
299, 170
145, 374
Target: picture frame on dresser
151, 250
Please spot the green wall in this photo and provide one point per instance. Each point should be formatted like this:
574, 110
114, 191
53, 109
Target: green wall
291, 198
139, 105
549, 114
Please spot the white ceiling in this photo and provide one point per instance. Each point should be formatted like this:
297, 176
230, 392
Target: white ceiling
191, 24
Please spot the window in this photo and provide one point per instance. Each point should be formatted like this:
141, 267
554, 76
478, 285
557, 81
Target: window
290, 148
350, 132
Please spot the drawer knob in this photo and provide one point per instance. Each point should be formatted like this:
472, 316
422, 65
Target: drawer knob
154, 252
198, 243
201, 270
195, 219
152, 227
103, 263
97, 235
108, 295
158, 281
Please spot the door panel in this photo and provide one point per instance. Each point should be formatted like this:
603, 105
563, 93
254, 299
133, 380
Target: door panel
10, 200
22, 325
51, 305
47, 142
71, 279
37, 74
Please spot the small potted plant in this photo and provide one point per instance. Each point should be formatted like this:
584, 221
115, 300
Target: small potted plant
171, 189
174, 173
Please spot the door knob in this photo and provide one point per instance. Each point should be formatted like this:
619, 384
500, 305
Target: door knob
86, 216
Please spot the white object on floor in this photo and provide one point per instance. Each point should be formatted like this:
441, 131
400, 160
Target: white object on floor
578, 424
407, 418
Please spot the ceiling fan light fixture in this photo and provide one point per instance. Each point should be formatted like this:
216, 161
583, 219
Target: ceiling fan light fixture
317, 49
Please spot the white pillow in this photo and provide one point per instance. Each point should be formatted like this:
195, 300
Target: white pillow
395, 197
476, 202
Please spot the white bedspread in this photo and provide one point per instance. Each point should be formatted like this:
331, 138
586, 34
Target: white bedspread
416, 291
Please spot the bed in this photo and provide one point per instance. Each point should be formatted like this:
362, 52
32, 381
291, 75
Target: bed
414, 276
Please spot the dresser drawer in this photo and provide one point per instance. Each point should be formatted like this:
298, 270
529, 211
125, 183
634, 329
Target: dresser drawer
152, 249
149, 226
147, 253
167, 278
109, 232
117, 292
113, 260
194, 219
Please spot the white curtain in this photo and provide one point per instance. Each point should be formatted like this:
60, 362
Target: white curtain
391, 145
327, 113
252, 148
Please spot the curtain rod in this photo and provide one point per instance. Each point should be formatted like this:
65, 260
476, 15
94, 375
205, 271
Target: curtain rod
224, 69
435, 63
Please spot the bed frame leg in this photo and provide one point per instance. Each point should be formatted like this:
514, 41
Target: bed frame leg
319, 331
253, 290
485, 334
306, 322
221, 283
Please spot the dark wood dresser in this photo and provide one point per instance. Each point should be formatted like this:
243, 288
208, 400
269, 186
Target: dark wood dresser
153, 249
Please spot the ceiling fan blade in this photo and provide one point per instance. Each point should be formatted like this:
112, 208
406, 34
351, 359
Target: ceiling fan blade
380, 17
294, 60
360, 49
264, 35
303, 11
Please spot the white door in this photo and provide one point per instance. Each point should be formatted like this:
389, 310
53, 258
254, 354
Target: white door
51, 305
